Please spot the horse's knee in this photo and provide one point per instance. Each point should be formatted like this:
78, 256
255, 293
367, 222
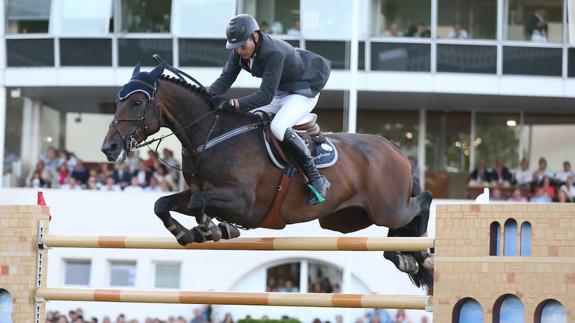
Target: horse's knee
162, 206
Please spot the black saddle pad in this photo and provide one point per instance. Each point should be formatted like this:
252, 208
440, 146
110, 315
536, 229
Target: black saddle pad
324, 154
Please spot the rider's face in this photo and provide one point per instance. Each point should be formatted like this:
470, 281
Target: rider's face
247, 49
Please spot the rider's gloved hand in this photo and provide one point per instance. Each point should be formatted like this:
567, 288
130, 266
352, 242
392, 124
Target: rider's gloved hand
228, 105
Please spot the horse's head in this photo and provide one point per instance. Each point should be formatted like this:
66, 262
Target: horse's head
137, 114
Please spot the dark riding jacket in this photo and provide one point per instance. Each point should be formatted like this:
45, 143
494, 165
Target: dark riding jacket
281, 67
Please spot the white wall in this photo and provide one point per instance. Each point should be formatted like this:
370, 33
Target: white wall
555, 143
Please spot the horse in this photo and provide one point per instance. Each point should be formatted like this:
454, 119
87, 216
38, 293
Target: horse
235, 181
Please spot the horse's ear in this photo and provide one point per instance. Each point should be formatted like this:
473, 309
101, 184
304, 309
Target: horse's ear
136, 70
157, 72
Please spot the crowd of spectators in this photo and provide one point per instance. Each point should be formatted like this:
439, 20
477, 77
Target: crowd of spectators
524, 184
62, 169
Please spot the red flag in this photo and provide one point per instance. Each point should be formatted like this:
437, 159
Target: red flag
42, 202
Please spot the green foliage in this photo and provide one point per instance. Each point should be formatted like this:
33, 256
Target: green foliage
250, 320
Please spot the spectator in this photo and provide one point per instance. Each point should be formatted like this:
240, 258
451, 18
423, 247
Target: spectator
523, 176
106, 319
122, 175
152, 159
63, 174
80, 172
92, 183
457, 32
561, 176
536, 27
72, 185
569, 189
542, 171
110, 185
548, 188
496, 194
295, 29
393, 31
121, 318
105, 171
418, 30
198, 316
500, 173
516, 196
143, 174
154, 186
540, 197
228, 318
480, 174
133, 161
277, 28
67, 158
379, 315
39, 177
562, 197
400, 317
51, 160
134, 186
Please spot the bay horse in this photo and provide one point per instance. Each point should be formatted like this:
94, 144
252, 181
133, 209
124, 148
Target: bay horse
235, 181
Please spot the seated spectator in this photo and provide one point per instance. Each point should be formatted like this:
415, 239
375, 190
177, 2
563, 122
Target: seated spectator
562, 197
134, 185
523, 176
542, 171
110, 185
122, 175
228, 318
80, 172
500, 173
457, 32
418, 30
39, 177
516, 196
295, 29
68, 158
154, 186
480, 174
143, 174
92, 183
105, 171
393, 31
277, 28
540, 197
379, 315
547, 188
561, 176
569, 189
496, 194
63, 174
290, 288
36, 181
72, 185
51, 160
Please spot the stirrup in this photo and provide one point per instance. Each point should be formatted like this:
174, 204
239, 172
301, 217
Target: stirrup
319, 199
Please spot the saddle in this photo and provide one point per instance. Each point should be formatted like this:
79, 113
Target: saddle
322, 150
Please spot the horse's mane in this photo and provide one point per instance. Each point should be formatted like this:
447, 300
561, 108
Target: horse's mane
202, 91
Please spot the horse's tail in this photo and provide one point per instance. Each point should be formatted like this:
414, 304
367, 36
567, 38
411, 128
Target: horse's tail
415, 187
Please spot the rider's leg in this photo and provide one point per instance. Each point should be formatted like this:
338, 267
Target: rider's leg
295, 108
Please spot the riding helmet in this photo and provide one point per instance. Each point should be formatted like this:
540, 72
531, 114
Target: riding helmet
240, 28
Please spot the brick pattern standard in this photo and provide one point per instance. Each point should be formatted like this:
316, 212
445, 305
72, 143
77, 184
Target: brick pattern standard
18, 251
463, 267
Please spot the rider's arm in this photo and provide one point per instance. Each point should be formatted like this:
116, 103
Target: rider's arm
270, 82
229, 74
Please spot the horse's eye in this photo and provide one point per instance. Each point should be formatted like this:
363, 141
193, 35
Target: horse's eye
138, 103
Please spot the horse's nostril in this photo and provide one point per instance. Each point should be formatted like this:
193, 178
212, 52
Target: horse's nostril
113, 147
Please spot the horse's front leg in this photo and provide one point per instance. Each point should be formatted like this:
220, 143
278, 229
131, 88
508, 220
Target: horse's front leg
176, 202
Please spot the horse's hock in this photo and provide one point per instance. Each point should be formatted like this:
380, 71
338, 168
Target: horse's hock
466, 235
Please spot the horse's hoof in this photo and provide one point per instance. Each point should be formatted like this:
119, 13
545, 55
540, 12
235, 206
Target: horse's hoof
185, 237
408, 264
428, 263
199, 235
228, 231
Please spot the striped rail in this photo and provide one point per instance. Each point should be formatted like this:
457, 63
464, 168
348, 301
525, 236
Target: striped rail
287, 243
233, 298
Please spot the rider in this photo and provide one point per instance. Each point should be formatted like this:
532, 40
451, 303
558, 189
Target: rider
291, 81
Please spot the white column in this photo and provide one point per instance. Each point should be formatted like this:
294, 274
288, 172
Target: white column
2, 130
352, 107
520, 132
30, 150
303, 275
472, 137
421, 138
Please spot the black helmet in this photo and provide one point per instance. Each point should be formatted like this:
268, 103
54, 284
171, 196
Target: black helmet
239, 30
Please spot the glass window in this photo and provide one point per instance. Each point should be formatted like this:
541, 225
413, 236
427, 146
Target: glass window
202, 18
510, 243
203, 52
467, 19
526, 239
27, 16
279, 17
571, 60
85, 52
532, 61
550, 311
167, 275
401, 18
324, 278
327, 19
494, 239
538, 22
283, 278
30, 52
400, 57
6, 306
77, 272
123, 273
134, 51
467, 59
497, 137
509, 309
87, 17
468, 310
337, 52
145, 16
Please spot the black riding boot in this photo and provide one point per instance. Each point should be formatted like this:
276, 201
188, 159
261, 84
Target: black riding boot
318, 184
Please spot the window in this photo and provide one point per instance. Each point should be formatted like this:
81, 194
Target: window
525, 239
6, 306
538, 22
77, 272
510, 243
467, 310
85, 52
283, 278
532, 61
508, 309
467, 19
400, 57
326, 19
27, 16
467, 59
324, 278
494, 238
338, 53
134, 51
406, 18
202, 18
203, 52
167, 275
145, 16
280, 17
123, 273
550, 311
30, 52
86, 17
496, 139
571, 60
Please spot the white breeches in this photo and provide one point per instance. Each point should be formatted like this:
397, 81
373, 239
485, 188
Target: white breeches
289, 109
